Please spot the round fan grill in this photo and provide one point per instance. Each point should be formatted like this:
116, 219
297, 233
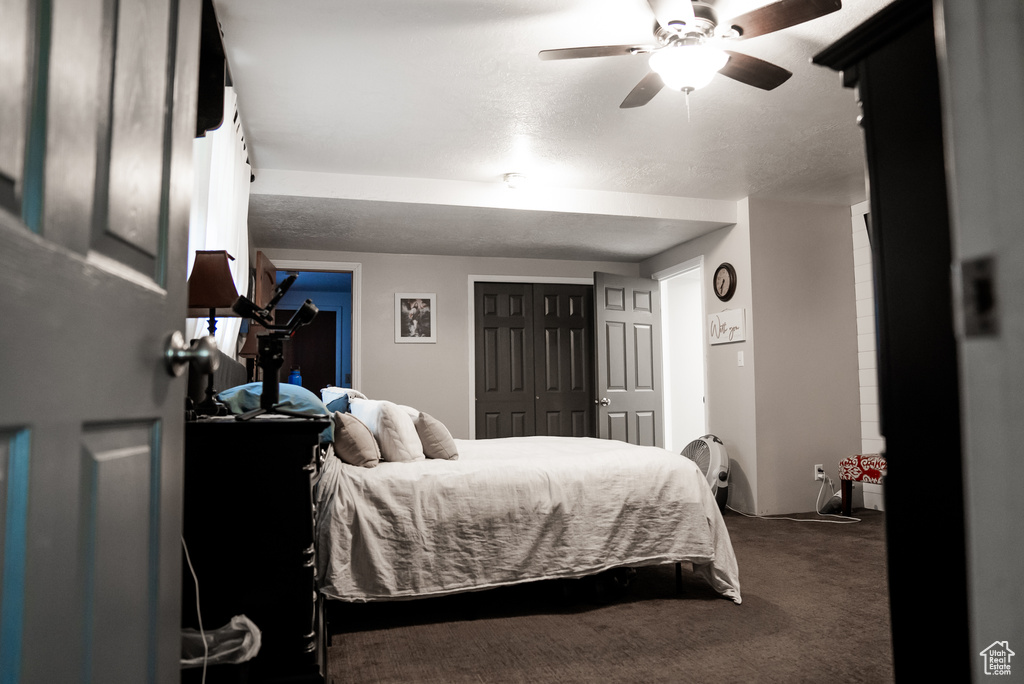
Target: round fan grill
709, 453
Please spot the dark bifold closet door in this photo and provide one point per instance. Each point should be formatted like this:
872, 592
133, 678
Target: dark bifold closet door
97, 117
534, 359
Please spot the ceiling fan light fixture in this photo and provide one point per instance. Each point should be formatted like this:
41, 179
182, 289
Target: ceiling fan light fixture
687, 67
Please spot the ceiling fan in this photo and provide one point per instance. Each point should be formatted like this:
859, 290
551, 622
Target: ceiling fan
687, 54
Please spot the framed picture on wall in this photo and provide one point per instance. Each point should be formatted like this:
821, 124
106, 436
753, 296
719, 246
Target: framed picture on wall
414, 317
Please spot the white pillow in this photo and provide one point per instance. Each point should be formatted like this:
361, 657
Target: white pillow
392, 426
329, 394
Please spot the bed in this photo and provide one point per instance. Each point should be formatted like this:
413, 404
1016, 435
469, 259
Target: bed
513, 510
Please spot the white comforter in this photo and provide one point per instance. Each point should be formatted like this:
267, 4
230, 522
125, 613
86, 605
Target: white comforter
514, 510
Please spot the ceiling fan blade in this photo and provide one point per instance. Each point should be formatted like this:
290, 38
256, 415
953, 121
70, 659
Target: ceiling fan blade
594, 51
649, 86
667, 11
781, 14
753, 71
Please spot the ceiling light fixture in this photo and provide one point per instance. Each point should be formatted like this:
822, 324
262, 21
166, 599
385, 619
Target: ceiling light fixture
687, 64
514, 180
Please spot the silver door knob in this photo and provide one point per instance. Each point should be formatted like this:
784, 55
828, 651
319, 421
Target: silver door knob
178, 355
604, 401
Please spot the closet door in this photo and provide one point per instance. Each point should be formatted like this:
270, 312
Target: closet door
564, 359
504, 360
534, 360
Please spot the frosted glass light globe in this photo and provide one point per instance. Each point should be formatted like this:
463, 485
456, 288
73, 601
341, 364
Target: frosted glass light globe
687, 67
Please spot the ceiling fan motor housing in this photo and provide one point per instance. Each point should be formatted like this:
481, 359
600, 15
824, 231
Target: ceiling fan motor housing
703, 25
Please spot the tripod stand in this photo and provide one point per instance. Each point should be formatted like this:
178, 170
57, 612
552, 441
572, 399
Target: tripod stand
270, 347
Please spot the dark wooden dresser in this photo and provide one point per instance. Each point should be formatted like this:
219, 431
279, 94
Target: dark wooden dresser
249, 527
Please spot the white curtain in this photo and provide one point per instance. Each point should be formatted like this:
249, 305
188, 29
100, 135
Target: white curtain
220, 211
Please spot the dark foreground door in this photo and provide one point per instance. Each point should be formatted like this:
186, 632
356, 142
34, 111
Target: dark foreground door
97, 117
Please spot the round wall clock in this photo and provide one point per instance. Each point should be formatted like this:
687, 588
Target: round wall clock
724, 282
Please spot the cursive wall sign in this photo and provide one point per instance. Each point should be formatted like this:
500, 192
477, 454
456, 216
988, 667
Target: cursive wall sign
727, 326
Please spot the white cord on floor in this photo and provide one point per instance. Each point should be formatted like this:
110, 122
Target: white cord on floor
199, 615
841, 519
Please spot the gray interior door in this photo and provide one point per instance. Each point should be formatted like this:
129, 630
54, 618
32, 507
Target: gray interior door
97, 103
629, 376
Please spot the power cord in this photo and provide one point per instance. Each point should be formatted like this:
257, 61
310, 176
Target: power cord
842, 519
199, 614
839, 519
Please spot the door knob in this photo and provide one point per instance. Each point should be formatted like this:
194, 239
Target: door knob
178, 355
604, 401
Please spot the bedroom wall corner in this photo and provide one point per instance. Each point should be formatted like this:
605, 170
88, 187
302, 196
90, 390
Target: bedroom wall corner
730, 387
807, 379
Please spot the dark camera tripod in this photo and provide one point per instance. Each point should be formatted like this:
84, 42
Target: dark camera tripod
270, 347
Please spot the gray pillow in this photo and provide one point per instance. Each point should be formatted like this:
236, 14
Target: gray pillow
437, 441
353, 442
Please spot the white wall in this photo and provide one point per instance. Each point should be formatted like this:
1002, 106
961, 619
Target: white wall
808, 403
871, 439
981, 64
795, 401
730, 388
435, 378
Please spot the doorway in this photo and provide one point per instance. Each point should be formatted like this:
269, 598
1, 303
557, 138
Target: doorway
321, 351
684, 362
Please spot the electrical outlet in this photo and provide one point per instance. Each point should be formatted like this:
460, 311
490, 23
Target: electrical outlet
819, 472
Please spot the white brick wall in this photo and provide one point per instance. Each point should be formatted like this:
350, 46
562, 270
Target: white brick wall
871, 441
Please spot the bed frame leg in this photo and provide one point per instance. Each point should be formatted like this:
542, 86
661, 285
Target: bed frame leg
679, 578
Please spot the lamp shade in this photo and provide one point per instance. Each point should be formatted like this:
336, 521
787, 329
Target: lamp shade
211, 289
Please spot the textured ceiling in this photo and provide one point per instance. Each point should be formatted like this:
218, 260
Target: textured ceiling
387, 126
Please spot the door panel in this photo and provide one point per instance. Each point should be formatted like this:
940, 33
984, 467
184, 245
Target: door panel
616, 426
563, 319
95, 184
120, 545
628, 322
643, 344
504, 358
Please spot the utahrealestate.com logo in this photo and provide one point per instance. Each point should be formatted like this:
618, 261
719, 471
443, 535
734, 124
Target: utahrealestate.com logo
997, 658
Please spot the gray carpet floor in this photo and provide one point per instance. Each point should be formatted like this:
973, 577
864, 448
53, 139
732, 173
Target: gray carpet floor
815, 609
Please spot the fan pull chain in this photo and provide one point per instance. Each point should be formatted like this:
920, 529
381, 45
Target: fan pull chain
687, 93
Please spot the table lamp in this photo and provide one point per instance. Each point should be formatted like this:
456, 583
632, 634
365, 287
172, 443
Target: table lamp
211, 294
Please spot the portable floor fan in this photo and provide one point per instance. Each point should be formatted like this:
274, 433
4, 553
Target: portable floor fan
709, 453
